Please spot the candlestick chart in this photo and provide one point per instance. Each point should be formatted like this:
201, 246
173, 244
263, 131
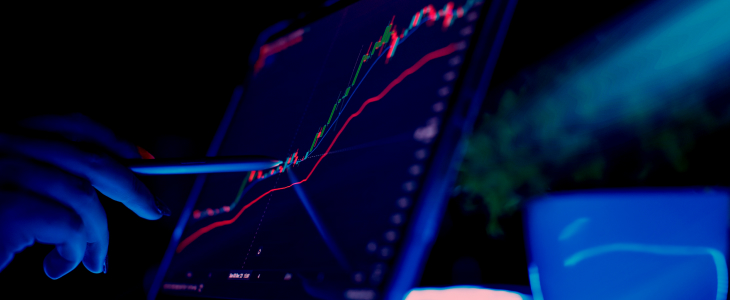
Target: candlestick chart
355, 139
388, 41
433, 55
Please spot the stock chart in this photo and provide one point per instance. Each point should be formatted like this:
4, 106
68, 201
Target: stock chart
353, 104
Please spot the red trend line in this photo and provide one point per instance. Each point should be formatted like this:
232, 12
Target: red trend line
428, 57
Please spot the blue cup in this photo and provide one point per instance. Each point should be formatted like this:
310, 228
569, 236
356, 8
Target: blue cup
629, 244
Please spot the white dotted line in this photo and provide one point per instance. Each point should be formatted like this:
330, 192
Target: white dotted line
296, 132
260, 221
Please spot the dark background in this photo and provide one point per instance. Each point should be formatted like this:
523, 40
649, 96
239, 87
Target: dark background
161, 77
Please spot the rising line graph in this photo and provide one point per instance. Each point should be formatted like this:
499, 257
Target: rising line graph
420, 63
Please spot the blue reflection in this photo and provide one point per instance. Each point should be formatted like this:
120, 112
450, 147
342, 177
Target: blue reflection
717, 257
535, 282
629, 244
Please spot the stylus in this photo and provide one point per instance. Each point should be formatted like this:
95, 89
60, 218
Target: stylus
202, 165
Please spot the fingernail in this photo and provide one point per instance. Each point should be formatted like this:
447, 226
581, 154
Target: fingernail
103, 268
144, 153
161, 207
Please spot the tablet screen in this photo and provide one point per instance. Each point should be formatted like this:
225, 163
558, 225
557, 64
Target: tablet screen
353, 104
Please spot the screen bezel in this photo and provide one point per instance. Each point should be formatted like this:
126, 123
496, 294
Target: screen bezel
469, 93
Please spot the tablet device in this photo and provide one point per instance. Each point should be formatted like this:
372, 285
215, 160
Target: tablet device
368, 104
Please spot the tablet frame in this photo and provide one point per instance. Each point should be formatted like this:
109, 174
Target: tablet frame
469, 93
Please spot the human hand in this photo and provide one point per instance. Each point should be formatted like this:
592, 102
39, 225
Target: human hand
48, 191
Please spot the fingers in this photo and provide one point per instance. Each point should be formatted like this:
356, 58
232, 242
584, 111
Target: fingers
55, 265
104, 173
80, 128
95, 258
5, 256
25, 218
73, 192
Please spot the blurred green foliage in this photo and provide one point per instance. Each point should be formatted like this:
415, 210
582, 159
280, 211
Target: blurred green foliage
642, 102
535, 142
